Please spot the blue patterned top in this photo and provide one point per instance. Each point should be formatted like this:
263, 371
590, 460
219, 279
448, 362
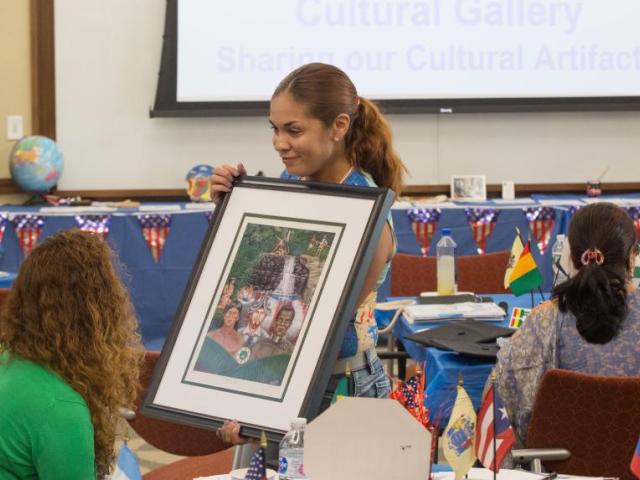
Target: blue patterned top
550, 339
362, 332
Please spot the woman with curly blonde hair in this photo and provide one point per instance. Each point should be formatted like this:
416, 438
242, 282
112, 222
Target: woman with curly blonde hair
70, 356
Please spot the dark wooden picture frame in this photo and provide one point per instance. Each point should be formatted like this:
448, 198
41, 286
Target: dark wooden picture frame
187, 389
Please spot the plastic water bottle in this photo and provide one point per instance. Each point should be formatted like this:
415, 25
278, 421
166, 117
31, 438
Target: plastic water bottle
291, 456
559, 275
446, 263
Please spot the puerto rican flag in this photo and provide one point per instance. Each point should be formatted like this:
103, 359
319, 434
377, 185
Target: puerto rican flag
635, 461
504, 435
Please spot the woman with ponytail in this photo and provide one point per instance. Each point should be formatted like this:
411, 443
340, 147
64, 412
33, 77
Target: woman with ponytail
592, 323
325, 132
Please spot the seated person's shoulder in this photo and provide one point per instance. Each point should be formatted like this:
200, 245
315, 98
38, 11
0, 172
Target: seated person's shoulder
28, 386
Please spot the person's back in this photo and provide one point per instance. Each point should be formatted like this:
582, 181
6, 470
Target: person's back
46, 426
592, 324
618, 357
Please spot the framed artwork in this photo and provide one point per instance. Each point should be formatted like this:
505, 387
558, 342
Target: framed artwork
468, 188
262, 319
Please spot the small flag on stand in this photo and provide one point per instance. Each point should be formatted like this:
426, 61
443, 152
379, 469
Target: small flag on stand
459, 435
410, 394
518, 315
494, 434
516, 251
525, 276
257, 469
127, 467
635, 461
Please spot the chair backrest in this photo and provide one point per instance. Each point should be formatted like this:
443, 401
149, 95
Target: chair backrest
171, 437
596, 418
483, 274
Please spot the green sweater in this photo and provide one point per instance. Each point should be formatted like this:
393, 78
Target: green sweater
45, 425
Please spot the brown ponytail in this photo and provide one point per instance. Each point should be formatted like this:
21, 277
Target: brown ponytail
369, 147
326, 92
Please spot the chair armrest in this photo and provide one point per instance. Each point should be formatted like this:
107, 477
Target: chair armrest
535, 456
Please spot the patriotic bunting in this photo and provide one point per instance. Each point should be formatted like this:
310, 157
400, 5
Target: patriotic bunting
4, 219
573, 209
155, 228
482, 222
541, 220
634, 213
28, 229
424, 222
97, 224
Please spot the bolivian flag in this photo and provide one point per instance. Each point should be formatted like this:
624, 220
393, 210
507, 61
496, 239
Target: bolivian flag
525, 275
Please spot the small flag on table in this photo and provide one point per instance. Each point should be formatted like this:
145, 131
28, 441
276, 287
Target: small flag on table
410, 394
635, 461
525, 275
493, 426
257, 469
518, 316
458, 436
127, 467
516, 251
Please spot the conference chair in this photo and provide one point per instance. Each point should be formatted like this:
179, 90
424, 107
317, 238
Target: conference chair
412, 275
595, 418
481, 274
208, 454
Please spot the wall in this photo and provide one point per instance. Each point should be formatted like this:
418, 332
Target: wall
15, 72
107, 61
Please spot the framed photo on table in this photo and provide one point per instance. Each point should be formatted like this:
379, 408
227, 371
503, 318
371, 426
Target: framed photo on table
468, 188
262, 319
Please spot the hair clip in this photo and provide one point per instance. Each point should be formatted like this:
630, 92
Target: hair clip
592, 254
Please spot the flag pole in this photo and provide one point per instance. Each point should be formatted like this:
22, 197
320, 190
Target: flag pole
493, 407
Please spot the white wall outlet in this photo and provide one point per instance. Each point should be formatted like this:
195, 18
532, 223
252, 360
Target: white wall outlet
15, 129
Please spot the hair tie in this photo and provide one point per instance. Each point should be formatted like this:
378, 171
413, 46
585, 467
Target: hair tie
592, 254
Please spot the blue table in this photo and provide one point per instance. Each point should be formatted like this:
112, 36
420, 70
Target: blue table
443, 367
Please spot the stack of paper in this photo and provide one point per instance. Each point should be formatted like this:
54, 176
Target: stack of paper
488, 311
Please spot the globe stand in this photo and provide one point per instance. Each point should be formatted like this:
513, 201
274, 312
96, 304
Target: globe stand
36, 199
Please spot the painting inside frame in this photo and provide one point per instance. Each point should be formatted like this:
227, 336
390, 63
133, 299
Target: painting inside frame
261, 309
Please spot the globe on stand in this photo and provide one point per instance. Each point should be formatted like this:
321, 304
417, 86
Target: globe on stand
36, 164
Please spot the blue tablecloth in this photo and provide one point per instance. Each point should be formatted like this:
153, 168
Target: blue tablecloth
156, 288
510, 216
443, 367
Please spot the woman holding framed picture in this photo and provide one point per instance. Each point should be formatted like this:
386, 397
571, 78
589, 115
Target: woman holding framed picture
324, 131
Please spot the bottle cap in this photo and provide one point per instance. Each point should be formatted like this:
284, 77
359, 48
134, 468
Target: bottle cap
446, 231
298, 422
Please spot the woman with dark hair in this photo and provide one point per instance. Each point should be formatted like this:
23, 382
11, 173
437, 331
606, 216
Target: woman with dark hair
325, 132
591, 325
70, 356
226, 335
